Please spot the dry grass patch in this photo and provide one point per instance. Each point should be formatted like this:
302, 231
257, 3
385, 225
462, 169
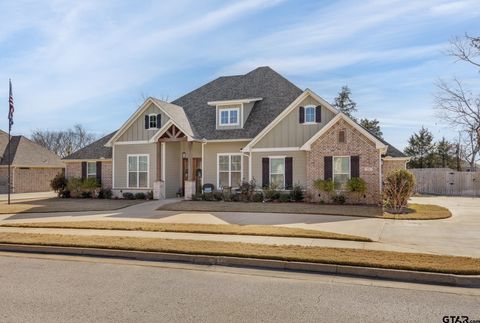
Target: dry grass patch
255, 230
421, 212
64, 205
298, 208
341, 256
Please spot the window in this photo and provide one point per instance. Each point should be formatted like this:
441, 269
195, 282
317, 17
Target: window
229, 170
341, 172
277, 171
137, 171
309, 114
229, 117
152, 121
91, 170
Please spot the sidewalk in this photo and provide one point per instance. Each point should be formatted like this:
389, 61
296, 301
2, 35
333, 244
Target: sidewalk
218, 237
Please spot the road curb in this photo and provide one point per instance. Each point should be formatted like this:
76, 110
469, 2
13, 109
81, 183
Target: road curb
331, 269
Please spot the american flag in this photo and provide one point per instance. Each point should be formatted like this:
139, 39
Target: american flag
11, 108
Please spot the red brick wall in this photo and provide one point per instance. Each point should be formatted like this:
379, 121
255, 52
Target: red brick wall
74, 169
356, 144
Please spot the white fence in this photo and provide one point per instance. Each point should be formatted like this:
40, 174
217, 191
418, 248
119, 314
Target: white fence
444, 181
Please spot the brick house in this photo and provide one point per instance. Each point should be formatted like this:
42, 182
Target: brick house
32, 166
254, 126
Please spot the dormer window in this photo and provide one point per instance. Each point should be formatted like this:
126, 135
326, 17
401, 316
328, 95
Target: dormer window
229, 117
153, 121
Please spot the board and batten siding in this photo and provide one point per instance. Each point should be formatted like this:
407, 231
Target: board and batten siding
137, 131
289, 132
173, 168
298, 167
211, 149
120, 153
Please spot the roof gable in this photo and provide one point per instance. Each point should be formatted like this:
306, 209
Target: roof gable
96, 150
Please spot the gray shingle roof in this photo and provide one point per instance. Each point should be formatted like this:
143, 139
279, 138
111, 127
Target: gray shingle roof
263, 82
26, 153
96, 150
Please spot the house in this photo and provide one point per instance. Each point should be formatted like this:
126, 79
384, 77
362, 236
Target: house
32, 166
254, 126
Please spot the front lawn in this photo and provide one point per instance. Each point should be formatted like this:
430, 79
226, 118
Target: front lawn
64, 205
340, 256
421, 212
294, 207
255, 230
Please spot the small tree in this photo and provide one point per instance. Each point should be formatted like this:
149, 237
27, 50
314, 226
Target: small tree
357, 186
59, 185
420, 148
324, 185
397, 189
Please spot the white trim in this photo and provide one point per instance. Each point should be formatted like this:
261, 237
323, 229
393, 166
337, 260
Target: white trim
229, 111
396, 158
230, 102
156, 121
162, 145
138, 142
94, 174
250, 176
227, 140
113, 166
273, 149
82, 160
309, 106
380, 168
270, 169
229, 167
349, 168
285, 112
138, 172
378, 144
203, 169
165, 127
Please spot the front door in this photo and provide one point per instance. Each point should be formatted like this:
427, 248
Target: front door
197, 164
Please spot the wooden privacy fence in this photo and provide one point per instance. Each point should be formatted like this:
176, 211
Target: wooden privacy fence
444, 181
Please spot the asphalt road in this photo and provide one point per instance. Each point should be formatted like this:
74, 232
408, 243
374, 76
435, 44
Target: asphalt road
37, 288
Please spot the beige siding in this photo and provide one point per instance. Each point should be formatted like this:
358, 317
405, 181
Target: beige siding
299, 166
137, 131
211, 150
247, 108
223, 107
120, 162
290, 133
173, 172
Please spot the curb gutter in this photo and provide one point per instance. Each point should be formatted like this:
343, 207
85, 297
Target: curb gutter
331, 269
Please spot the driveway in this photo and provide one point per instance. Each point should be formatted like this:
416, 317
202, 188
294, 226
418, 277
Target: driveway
458, 235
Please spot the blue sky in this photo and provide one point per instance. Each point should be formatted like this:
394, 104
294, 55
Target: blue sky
93, 62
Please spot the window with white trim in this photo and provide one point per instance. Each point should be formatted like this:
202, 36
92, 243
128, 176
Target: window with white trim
310, 114
341, 172
91, 170
277, 172
137, 171
152, 121
229, 117
229, 170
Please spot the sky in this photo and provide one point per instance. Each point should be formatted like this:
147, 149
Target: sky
94, 62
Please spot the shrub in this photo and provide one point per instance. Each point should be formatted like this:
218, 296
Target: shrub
324, 185
257, 197
90, 186
357, 186
74, 186
297, 193
128, 196
397, 189
196, 197
339, 199
235, 198
271, 192
59, 184
149, 195
247, 189
140, 196
217, 196
105, 193
285, 197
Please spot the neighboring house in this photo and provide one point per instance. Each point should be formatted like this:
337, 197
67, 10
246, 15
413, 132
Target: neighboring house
254, 126
32, 166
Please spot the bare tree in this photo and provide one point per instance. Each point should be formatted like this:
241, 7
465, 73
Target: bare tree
469, 150
63, 142
459, 106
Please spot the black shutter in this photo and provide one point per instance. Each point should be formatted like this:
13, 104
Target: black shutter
99, 171
355, 166
288, 173
318, 114
84, 170
327, 167
147, 122
301, 115
159, 121
265, 172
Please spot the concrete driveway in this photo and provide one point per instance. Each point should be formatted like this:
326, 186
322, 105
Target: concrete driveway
458, 235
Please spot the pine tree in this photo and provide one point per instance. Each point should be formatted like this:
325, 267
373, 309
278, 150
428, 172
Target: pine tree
373, 126
344, 103
421, 148
445, 153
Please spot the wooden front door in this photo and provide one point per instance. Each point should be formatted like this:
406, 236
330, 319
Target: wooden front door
197, 164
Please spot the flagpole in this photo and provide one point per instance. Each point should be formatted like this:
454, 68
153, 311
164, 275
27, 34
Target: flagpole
10, 122
9, 161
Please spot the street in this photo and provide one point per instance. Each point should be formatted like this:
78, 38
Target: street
47, 288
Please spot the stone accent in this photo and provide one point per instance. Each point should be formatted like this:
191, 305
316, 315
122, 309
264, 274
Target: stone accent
189, 189
27, 180
356, 144
390, 165
159, 190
